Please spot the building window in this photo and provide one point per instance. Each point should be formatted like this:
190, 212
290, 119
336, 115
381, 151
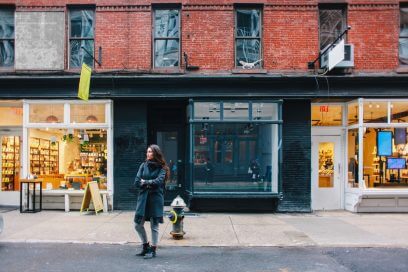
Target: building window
6, 38
403, 37
332, 21
327, 115
248, 35
166, 38
81, 37
235, 146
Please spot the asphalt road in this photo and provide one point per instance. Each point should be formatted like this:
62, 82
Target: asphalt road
79, 257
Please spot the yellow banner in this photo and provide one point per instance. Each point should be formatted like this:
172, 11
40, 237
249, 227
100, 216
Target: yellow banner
84, 82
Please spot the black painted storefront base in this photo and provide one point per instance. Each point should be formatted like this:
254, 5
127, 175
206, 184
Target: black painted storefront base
234, 204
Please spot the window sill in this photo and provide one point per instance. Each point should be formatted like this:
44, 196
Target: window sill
402, 69
249, 71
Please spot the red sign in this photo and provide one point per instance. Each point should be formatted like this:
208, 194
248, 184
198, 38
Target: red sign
324, 108
203, 140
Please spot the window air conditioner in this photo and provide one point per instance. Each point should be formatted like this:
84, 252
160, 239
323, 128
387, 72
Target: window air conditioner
348, 61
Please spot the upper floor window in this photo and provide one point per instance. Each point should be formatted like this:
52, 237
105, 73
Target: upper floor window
81, 37
6, 38
403, 37
332, 22
248, 35
166, 38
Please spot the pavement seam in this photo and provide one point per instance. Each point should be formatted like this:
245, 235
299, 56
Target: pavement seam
232, 224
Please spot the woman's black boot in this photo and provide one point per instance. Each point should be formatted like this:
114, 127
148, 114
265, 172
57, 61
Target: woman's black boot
145, 249
151, 253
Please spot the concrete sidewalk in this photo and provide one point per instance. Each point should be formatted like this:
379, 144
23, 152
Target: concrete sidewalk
338, 228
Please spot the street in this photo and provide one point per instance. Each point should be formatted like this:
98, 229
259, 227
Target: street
96, 257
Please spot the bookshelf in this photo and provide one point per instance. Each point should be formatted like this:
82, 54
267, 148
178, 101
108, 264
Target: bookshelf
44, 157
10, 163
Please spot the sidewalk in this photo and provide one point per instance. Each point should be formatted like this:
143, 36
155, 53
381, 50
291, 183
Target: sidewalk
338, 228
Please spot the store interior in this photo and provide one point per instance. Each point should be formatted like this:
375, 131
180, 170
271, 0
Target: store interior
68, 158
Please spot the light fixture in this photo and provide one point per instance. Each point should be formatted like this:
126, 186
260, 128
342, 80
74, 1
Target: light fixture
51, 119
91, 119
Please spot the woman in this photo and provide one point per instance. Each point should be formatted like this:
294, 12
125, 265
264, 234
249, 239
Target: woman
150, 180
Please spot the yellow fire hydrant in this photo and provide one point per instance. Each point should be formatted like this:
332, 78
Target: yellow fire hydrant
176, 217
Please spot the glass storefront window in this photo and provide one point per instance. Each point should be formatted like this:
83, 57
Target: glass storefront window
375, 112
46, 113
10, 163
235, 157
352, 114
399, 112
352, 158
235, 111
11, 116
327, 115
264, 111
87, 113
207, 111
326, 164
67, 158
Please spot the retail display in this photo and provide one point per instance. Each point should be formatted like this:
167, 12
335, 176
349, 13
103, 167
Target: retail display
10, 163
44, 156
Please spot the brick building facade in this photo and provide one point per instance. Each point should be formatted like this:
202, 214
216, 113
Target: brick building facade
226, 88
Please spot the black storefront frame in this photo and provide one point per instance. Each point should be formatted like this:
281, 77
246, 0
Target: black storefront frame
191, 122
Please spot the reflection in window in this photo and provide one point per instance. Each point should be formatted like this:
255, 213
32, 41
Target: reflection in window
236, 110
248, 38
332, 23
327, 115
11, 116
399, 112
87, 113
375, 112
403, 37
207, 110
46, 113
81, 37
239, 157
352, 114
6, 37
264, 111
166, 38
352, 154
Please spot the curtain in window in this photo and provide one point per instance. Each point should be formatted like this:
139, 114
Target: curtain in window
331, 26
6, 38
82, 35
403, 39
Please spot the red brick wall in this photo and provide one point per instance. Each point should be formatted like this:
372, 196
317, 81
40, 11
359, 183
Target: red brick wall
290, 32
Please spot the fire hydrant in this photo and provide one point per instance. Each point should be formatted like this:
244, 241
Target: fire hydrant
176, 217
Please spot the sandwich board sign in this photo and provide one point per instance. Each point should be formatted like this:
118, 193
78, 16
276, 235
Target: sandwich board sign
92, 192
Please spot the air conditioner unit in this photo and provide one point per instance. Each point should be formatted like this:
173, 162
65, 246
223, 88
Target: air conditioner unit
348, 61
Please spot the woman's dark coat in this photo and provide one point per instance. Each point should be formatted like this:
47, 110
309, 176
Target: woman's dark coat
150, 199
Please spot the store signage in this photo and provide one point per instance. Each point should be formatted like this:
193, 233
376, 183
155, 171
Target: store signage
84, 82
203, 140
324, 108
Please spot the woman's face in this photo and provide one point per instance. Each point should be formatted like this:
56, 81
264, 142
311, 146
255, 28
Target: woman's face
149, 154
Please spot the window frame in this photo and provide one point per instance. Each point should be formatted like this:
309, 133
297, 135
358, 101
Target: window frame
79, 8
154, 39
260, 38
13, 10
402, 6
343, 9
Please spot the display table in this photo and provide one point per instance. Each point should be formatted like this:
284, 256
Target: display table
29, 190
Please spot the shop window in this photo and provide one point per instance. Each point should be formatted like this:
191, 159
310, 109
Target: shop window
87, 113
375, 112
235, 157
399, 112
10, 163
264, 111
11, 116
352, 114
46, 113
326, 165
166, 38
352, 155
403, 36
332, 22
81, 37
68, 158
248, 38
235, 110
207, 111
6, 38
327, 115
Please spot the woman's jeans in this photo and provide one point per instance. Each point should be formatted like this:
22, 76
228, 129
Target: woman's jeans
142, 232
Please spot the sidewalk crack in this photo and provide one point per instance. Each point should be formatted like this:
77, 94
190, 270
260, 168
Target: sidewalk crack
236, 236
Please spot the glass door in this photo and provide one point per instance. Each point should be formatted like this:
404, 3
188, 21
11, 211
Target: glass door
10, 162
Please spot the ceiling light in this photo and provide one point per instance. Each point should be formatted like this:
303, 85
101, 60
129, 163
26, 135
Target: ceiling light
91, 119
51, 119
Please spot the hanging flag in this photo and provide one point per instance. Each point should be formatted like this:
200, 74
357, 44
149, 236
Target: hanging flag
84, 82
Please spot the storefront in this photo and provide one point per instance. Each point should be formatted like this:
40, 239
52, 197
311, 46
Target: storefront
359, 156
65, 143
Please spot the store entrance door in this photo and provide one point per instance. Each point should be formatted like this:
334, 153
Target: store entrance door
10, 167
326, 172
167, 128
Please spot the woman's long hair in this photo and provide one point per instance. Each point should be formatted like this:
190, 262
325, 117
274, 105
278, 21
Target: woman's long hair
159, 158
